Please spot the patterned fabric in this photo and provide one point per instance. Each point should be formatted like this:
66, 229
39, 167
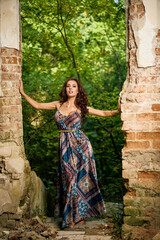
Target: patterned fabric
77, 192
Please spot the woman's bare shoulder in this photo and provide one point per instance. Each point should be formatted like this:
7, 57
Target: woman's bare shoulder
57, 104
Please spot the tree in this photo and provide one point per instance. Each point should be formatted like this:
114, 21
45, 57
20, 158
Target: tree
83, 39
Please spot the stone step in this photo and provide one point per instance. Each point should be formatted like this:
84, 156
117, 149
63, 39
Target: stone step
89, 223
66, 233
97, 237
71, 236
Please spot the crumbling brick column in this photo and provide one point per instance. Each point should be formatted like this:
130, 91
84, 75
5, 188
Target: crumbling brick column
141, 121
21, 191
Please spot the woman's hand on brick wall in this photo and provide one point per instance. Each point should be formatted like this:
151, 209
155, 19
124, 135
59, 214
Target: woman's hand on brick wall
21, 90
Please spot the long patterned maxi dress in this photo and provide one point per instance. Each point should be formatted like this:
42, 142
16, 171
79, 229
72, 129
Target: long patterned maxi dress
77, 192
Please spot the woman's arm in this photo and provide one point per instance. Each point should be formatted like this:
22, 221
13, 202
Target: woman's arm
102, 113
37, 105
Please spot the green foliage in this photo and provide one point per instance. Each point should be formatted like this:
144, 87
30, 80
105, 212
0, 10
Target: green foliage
37, 212
83, 39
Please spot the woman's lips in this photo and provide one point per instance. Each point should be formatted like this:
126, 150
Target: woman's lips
70, 91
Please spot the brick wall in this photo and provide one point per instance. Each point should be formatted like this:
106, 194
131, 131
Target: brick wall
11, 117
21, 191
141, 123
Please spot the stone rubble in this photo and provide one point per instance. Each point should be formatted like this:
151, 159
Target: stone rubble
49, 228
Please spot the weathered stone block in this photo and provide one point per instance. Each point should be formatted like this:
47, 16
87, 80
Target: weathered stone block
15, 165
10, 224
5, 200
129, 173
156, 237
148, 160
137, 221
3, 220
5, 151
132, 211
15, 216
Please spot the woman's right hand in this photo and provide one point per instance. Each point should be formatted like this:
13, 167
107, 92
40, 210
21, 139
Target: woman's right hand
21, 87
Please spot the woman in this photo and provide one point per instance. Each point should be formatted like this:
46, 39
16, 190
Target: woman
77, 193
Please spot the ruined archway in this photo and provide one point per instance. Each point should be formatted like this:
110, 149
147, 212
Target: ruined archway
21, 191
141, 120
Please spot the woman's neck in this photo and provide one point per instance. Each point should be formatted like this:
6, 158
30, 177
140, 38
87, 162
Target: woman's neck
71, 102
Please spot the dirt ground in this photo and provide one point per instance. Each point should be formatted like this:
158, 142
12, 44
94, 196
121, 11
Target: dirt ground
49, 228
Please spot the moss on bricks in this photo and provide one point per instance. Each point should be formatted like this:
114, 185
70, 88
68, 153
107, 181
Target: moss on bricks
136, 221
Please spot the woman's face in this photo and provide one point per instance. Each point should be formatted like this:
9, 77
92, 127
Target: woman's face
71, 88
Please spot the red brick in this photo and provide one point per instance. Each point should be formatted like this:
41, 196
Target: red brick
11, 92
156, 125
132, 62
143, 98
131, 8
133, 70
156, 107
136, 1
156, 144
13, 52
10, 109
132, 53
139, 88
149, 174
131, 37
15, 117
129, 173
133, 107
9, 60
20, 53
153, 88
3, 51
131, 193
157, 51
148, 116
140, 15
137, 145
148, 135
10, 68
12, 101
134, 126
11, 126
158, 34
132, 44
4, 101
147, 79
5, 135
11, 76
6, 127
9, 52
128, 116
6, 85
140, 8
130, 136
20, 61
155, 71
18, 101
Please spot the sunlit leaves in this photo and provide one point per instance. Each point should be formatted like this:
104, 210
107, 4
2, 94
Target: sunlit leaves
95, 33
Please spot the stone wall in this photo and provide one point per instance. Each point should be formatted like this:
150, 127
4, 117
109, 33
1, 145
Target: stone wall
21, 191
141, 121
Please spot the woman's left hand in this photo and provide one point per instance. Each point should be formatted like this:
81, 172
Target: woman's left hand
119, 105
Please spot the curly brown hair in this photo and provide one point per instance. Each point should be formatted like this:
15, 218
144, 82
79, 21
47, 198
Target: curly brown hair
81, 100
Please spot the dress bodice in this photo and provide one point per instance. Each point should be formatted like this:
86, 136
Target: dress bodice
72, 121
